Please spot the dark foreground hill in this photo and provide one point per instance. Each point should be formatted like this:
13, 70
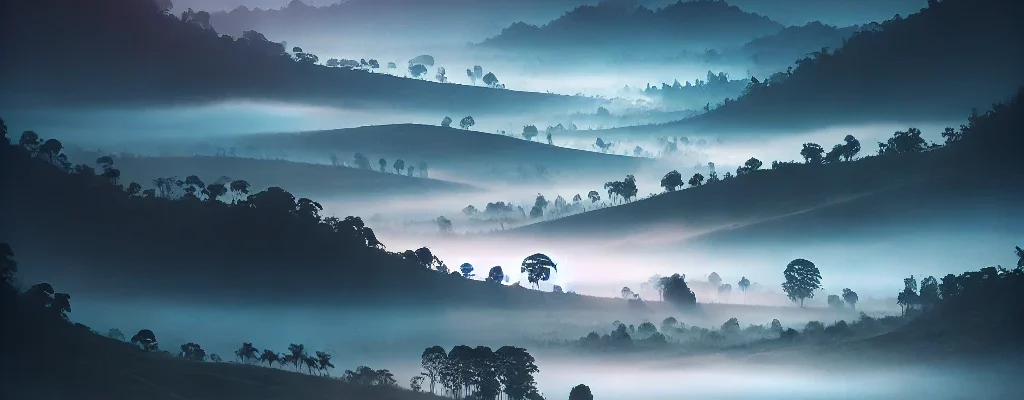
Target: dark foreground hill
311, 180
470, 151
970, 179
128, 53
905, 69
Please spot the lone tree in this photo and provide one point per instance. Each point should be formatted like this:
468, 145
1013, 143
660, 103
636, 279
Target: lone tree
192, 352
495, 275
467, 122
146, 340
399, 166
835, 301
696, 180
538, 268
417, 70
802, 279
715, 279
672, 180
466, 269
594, 196
530, 132
676, 292
446, 122
813, 153
383, 164
580, 392
850, 297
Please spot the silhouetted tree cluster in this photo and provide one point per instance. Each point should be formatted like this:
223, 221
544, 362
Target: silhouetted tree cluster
468, 372
624, 189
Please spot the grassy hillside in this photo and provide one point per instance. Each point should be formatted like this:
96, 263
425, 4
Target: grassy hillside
150, 59
448, 147
311, 180
964, 179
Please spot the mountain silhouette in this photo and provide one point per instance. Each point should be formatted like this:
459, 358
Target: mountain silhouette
614, 26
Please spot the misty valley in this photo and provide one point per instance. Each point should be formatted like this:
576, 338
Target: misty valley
511, 199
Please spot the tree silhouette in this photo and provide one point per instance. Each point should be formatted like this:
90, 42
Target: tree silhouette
239, 188
445, 226
491, 80
627, 293
422, 167
416, 383
361, 161
466, 123
466, 269
529, 132
929, 296
538, 268
812, 153
446, 122
296, 354
399, 166
580, 392
850, 297
8, 266
383, 164
594, 196
247, 353
672, 180
850, 148
696, 180
417, 70
146, 340
743, 284
903, 142
269, 357
495, 275
835, 301
749, 166
1020, 257
323, 362
30, 142
434, 361
678, 293
440, 76
410, 170
515, 372
802, 279
192, 352
908, 298
715, 279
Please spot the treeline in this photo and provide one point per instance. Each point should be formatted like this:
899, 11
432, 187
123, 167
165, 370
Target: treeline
362, 162
479, 372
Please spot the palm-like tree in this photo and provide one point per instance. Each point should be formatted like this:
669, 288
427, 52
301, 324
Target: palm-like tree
323, 360
298, 353
268, 357
247, 352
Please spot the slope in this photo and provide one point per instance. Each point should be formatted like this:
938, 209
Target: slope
913, 69
127, 53
611, 26
468, 151
310, 180
967, 179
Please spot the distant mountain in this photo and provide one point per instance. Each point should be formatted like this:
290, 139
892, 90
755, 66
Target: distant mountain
911, 69
781, 49
615, 27
129, 53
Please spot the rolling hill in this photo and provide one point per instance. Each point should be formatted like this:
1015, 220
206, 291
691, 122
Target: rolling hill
966, 181
618, 27
905, 69
468, 151
148, 58
310, 180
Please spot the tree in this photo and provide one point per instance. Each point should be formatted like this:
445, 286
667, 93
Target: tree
802, 279
594, 196
850, 297
903, 142
416, 383
52, 150
3, 133
495, 275
446, 122
908, 297
515, 369
812, 153
399, 166
749, 166
434, 361
323, 362
296, 354
529, 132
929, 297
466, 269
247, 353
466, 123
951, 135
361, 161
392, 65
146, 340
850, 148
383, 164
214, 191
440, 76
627, 293
417, 70
580, 392
538, 268
696, 180
715, 279
239, 188
743, 284
550, 142
410, 170
445, 225
491, 80
30, 142
835, 301
373, 64
678, 293
192, 352
269, 357
672, 180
